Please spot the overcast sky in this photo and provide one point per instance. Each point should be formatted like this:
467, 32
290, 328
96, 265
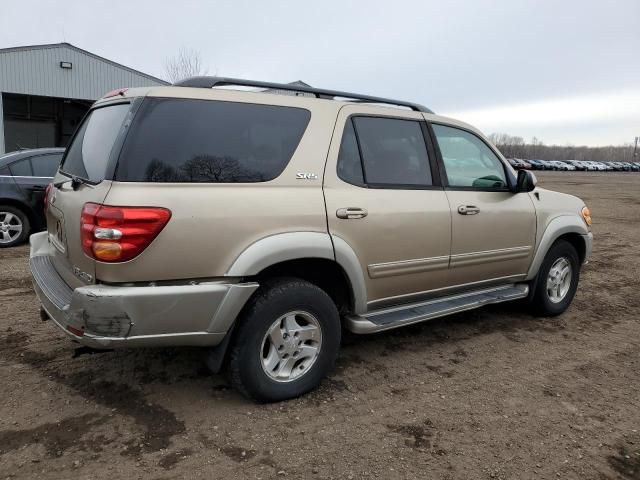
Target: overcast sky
566, 71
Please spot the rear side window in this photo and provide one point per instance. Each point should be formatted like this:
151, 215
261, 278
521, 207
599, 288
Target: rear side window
185, 140
349, 164
394, 153
45, 165
21, 168
88, 154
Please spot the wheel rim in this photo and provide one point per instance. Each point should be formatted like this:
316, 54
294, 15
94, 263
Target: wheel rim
559, 280
291, 346
10, 227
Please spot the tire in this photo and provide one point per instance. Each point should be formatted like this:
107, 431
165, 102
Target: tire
263, 363
552, 296
14, 226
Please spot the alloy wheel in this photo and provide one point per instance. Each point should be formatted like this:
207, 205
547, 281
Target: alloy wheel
10, 227
559, 280
291, 346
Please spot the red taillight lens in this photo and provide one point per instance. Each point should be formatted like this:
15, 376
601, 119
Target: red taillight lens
46, 196
118, 234
115, 93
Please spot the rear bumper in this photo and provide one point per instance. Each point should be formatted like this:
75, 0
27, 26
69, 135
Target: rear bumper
107, 316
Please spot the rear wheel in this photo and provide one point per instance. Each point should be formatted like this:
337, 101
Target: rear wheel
14, 226
286, 342
557, 280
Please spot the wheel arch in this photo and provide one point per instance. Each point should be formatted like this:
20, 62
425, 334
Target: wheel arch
566, 227
314, 256
24, 208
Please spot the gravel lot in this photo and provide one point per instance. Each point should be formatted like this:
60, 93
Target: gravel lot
494, 393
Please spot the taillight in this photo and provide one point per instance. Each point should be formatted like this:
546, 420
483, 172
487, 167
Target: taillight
46, 196
118, 234
115, 93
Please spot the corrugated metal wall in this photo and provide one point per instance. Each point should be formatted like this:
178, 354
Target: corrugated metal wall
37, 72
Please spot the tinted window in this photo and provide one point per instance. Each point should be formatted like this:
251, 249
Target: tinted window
468, 161
21, 168
393, 151
179, 140
88, 155
45, 165
349, 164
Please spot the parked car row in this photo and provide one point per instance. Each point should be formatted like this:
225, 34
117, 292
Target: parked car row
569, 165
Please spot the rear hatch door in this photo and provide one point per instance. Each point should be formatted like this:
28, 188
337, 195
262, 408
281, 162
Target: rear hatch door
83, 177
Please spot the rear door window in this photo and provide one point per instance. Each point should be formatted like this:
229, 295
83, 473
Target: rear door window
394, 152
45, 165
88, 155
349, 163
21, 168
188, 140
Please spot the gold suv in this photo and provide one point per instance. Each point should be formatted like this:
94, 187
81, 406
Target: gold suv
259, 225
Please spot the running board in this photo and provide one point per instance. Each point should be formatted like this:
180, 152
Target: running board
399, 316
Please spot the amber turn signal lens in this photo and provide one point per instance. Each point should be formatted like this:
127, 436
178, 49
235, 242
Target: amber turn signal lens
108, 251
586, 214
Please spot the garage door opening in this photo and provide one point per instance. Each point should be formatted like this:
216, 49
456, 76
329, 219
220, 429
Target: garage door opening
36, 122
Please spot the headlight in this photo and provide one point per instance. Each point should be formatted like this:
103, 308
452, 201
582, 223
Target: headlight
586, 215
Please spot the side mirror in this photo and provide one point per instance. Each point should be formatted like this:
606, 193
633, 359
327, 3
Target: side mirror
526, 182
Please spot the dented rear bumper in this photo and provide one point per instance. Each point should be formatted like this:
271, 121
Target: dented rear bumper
108, 316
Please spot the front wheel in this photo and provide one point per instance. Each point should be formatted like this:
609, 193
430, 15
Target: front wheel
557, 280
286, 342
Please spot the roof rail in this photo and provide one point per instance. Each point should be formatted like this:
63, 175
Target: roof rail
210, 82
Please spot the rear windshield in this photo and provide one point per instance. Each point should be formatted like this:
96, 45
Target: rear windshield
188, 140
88, 154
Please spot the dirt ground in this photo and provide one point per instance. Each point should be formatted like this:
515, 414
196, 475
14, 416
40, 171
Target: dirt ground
493, 393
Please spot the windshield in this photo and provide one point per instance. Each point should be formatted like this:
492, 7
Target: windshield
88, 155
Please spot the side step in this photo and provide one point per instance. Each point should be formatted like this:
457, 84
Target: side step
399, 316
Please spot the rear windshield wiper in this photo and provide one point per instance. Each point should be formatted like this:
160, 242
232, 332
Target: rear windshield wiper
75, 181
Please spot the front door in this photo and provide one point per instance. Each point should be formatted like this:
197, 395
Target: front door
384, 198
493, 229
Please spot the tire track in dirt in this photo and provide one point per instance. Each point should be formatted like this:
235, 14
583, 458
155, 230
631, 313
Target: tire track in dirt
157, 423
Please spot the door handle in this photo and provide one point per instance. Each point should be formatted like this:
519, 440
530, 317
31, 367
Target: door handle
468, 210
351, 213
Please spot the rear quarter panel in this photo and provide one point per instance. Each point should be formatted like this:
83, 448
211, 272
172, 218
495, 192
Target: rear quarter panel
212, 224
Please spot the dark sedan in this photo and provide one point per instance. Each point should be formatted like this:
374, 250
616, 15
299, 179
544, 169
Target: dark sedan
24, 176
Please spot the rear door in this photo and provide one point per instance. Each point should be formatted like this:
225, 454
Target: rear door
33, 174
385, 200
90, 158
493, 229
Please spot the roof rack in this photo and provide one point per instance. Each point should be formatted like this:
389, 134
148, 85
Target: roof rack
210, 82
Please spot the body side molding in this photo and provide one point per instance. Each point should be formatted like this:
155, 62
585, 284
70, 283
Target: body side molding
404, 267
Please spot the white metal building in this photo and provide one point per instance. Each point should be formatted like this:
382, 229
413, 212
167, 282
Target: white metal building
45, 90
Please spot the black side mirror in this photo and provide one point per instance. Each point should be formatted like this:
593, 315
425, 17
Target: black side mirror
526, 182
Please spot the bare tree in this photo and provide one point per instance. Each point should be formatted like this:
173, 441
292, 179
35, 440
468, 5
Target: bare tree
187, 63
514, 146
